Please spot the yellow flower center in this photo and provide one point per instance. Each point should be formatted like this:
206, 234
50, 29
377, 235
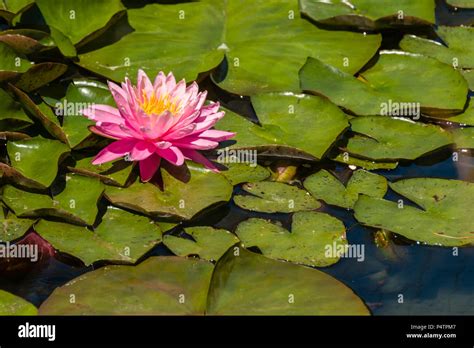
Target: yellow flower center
154, 105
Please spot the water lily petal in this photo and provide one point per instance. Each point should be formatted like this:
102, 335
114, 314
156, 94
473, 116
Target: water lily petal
172, 155
199, 158
103, 113
149, 166
115, 150
142, 150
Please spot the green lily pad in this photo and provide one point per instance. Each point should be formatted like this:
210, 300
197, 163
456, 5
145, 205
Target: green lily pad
211, 30
323, 185
14, 305
459, 49
181, 200
114, 173
37, 158
469, 77
181, 286
238, 173
74, 203
346, 158
158, 286
74, 20
370, 14
385, 138
388, 88
208, 243
42, 113
11, 9
280, 133
464, 138
461, 3
12, 116
442, 218
11, 63
121, 236
466, 118
80, 94
12, 228
283, 289
273, 197
313, 241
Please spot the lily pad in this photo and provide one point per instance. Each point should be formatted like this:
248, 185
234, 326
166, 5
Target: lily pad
211, 30
280, 133
466, 118
238, 173
464, 138
283, 289
42, 113
157, 286
71, 21
80, 94
385, 138
441, 218
323, 185
273, 197
208, 243
12, 116
14, 305
121, 236
37, 158
459, 49
11, 63
73, 203
461, 3
179, 199
346, 158
181, 286
469, 77
370, 14
12, 228
114, 173
11, 9
388, 88
314, 240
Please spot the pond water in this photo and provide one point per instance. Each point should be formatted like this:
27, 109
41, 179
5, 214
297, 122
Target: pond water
431, 279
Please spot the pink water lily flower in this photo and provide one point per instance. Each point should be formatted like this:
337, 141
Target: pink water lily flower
154, 121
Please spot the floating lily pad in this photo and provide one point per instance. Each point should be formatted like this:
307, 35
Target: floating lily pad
11, 9
323, 185
388, 88
459, 49
385, 138
39, 75
80, 94
213, 29
469, 77
111, 173
280, 133
314, 240
37, 158
179, 199
461, 3
74, 203
208, 243
179, 286
12, 227
121, 236
71, 21
238, 173
12, 116
273, 197
21, 43
283, 289
346, 158
158, 286
14, 305
464, 138
442, 220
11, 63
43, 113
466, 118
370, 14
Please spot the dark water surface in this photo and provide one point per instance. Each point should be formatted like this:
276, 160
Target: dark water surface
431, 279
